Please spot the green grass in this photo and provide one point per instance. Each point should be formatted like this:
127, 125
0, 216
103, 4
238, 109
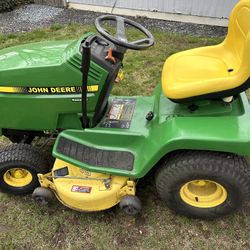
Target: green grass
26, 225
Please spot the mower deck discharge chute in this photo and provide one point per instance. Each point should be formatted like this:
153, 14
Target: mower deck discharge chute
193, 132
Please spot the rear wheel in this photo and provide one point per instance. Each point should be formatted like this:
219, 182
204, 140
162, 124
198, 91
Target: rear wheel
204, 184
19, 166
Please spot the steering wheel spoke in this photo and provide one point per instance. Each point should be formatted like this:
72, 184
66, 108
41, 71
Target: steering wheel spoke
141, 41
120, 29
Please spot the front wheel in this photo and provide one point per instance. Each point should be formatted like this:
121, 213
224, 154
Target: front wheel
19, 166
204, 184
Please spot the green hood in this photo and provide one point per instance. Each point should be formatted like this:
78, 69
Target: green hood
33, 55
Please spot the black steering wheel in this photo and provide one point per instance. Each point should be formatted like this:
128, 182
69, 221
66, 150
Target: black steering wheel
120, 38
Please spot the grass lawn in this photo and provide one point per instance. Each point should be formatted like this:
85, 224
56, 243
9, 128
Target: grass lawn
26, 225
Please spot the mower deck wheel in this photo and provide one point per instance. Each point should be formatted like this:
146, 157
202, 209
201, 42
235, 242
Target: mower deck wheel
131, 205
43, 196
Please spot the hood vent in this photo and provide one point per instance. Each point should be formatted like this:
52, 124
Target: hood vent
75, 62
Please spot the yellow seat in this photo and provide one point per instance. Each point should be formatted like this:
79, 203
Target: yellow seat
214, 71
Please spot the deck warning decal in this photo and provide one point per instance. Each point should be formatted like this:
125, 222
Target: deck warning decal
81, 189
120, 114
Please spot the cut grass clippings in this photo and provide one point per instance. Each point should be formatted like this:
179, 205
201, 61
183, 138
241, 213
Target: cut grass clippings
26, 225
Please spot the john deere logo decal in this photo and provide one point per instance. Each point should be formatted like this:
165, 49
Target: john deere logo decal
48, 90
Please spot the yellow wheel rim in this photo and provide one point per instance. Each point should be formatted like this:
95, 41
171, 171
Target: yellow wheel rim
17, 177
203, 193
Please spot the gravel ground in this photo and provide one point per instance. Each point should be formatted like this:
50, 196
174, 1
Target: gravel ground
35, 16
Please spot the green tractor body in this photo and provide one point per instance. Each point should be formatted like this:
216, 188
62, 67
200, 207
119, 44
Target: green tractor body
105, 143
45, 95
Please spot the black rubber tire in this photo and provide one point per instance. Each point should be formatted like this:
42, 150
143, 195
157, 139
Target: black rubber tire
26, 157
43, 196
130, 205
229, 170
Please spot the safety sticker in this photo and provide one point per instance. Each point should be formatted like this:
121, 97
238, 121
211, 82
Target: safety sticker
48, 90
81, 189
120, 114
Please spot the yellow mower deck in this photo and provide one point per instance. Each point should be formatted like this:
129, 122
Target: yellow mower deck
86, 191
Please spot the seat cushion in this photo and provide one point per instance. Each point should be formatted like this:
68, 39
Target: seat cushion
198, 72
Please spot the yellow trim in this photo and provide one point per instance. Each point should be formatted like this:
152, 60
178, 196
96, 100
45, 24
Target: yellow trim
46, 90
93, 88
9, 89
17, 177
203, 193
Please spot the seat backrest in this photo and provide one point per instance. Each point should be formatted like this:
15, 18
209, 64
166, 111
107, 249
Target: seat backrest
238, 37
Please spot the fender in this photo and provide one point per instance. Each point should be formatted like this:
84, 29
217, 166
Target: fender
133, 152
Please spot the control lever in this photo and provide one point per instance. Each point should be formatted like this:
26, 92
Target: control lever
110, 57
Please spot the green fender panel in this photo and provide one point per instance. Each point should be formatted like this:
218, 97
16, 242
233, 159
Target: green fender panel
214, 126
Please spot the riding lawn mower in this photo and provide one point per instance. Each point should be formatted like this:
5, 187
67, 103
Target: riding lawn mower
193, 132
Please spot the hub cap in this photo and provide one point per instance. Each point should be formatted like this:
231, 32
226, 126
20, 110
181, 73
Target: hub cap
17, 177
203, 193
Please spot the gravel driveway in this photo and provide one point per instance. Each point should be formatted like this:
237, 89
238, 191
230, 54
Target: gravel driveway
35, 16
